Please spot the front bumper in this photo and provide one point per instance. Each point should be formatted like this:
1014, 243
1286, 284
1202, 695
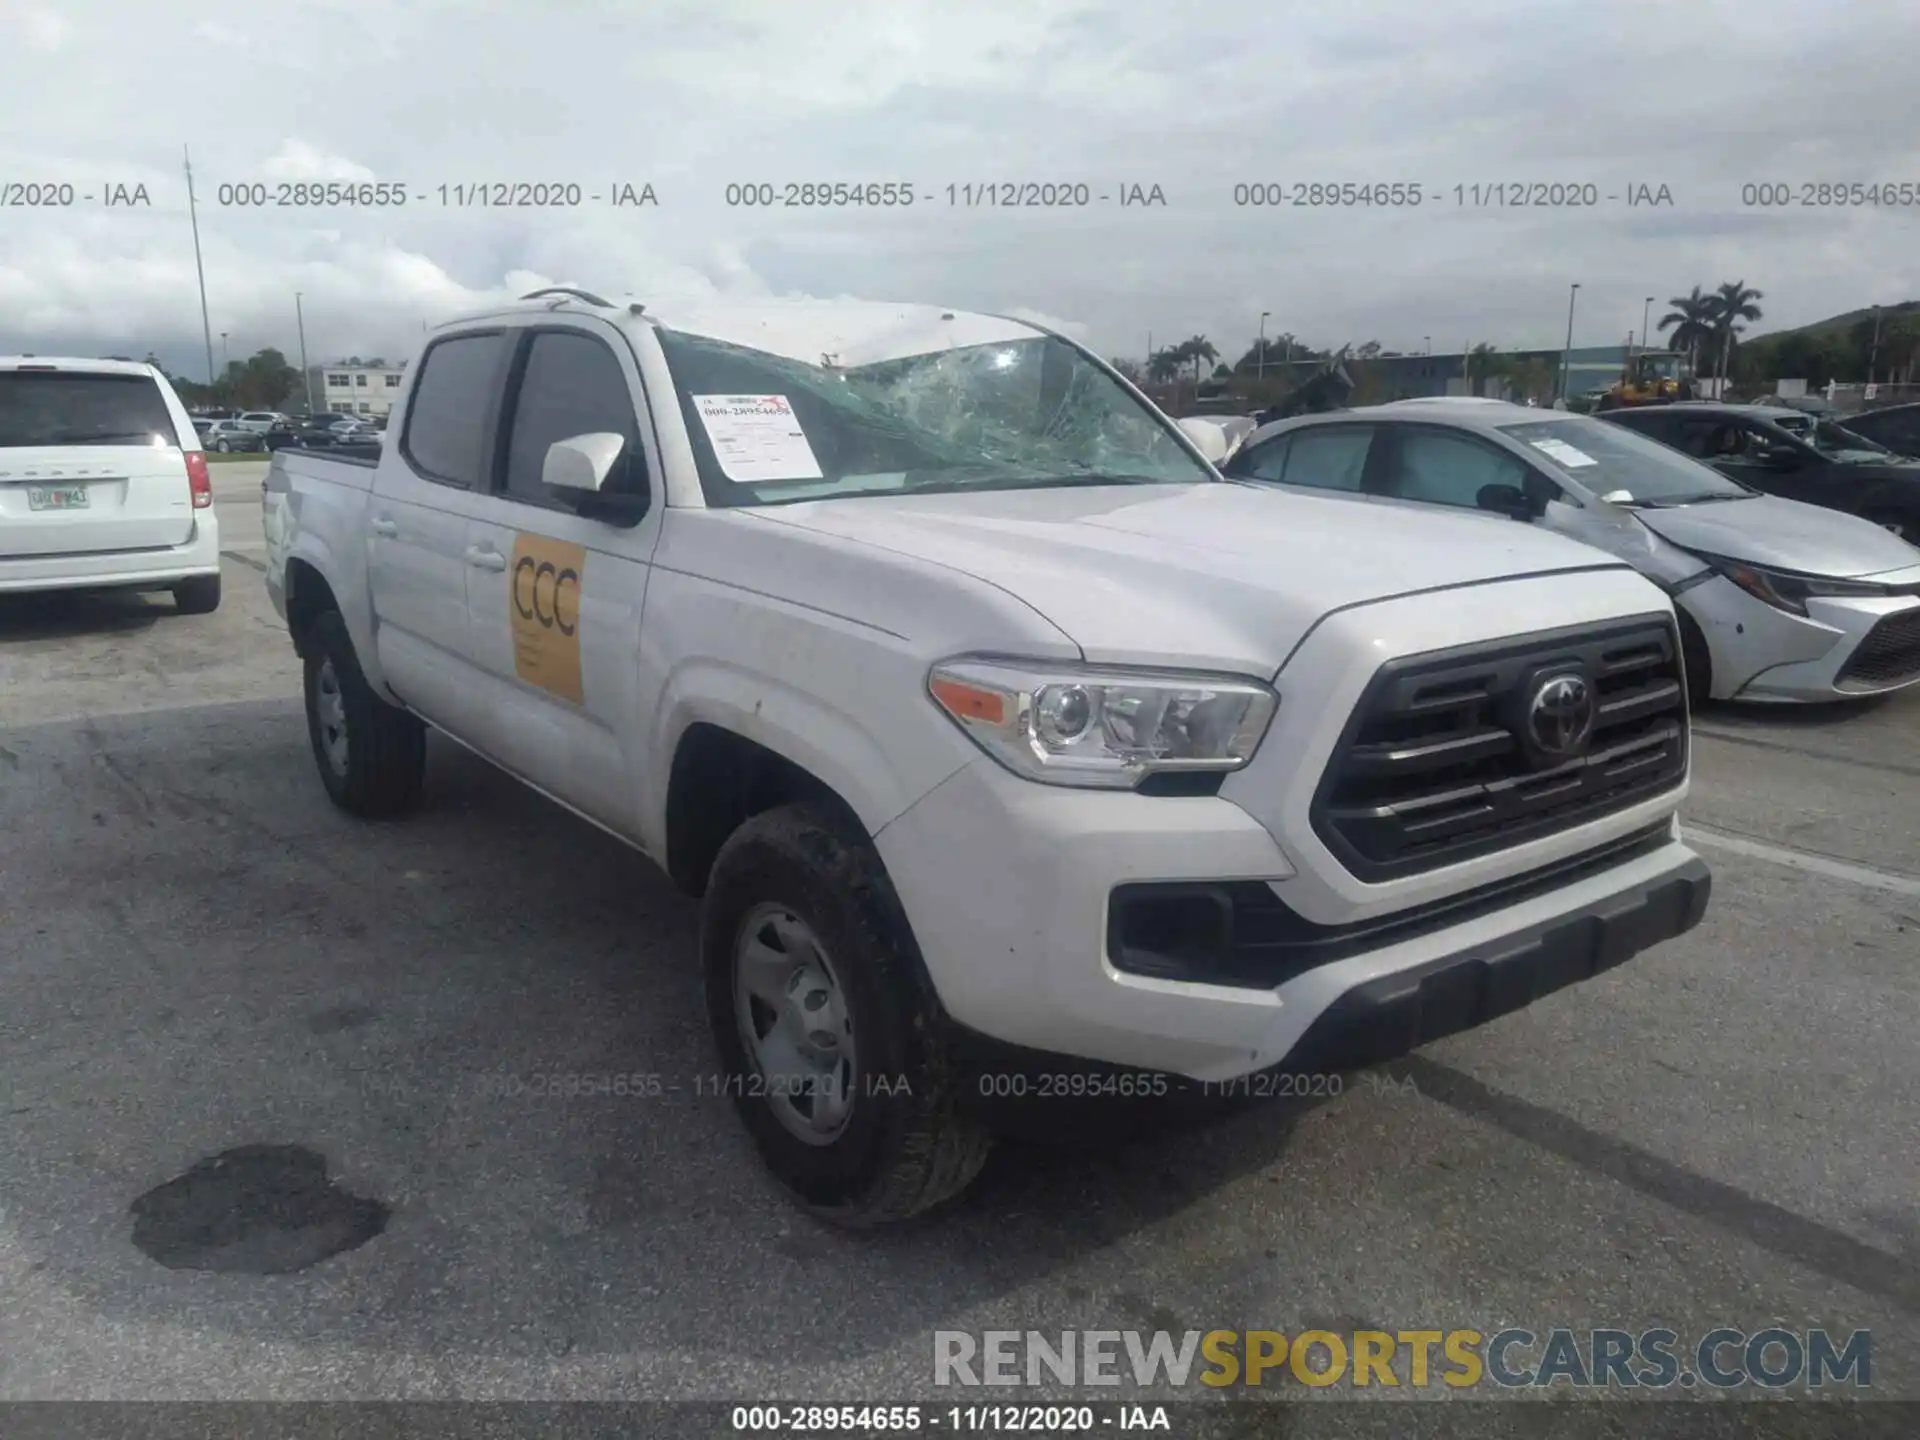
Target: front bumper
1842, 649
131, 569
1010, 889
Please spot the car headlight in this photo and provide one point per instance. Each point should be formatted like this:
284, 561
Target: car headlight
1785, 590
1103, 729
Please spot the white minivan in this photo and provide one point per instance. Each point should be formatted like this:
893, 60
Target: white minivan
103, 482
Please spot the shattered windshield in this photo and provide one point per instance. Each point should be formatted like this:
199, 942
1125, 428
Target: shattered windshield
1025, 413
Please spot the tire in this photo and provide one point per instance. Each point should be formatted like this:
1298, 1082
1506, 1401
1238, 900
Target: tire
1697, 659
902, 1145
198, 596
219, 447
1906, 526
372, 755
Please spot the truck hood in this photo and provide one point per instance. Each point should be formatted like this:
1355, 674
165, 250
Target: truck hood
1224, 577
1785, 535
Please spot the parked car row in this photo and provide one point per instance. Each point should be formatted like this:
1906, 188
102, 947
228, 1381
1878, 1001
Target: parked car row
265, 431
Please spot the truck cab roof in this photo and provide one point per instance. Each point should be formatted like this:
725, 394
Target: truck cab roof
873, 330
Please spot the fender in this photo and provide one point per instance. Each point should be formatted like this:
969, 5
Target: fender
834, 746
345, 571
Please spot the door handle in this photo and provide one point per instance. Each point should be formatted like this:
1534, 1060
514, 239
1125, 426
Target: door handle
483, 559
385, 528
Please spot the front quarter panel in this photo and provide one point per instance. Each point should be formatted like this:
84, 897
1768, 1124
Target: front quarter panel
818, 649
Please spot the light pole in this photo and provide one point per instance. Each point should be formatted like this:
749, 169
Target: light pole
306, 375
225, 363
193, 218
1426, 342
1260, 348
1873, 352
1646, 314
1566, 355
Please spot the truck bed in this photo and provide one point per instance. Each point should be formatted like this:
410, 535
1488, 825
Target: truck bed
352, 466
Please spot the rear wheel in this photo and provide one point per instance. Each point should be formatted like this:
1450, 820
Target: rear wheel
1697, 659
372, 755
830, 1047
198, 596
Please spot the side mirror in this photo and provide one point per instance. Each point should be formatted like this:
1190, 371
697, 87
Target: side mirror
581, 465
1508, 500
1208, 437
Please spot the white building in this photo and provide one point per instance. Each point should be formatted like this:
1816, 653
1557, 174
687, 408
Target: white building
357, 389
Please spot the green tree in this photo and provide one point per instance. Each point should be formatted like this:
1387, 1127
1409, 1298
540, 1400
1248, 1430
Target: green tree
1732, 305
1165, 364
1197, 352
1692, 321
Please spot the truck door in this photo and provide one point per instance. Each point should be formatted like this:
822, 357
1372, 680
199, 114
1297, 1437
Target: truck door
424, 493
555, 595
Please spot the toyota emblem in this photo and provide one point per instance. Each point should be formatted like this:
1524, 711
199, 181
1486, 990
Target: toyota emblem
1560, 716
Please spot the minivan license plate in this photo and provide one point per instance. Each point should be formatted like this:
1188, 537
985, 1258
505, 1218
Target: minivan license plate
56, 497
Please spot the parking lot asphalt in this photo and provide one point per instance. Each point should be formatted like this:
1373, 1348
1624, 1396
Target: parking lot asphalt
197, 953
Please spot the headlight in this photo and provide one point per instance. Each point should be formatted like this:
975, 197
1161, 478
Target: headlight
1105, 729
1786, 591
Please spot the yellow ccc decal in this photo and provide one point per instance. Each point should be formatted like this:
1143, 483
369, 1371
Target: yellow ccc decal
544, 589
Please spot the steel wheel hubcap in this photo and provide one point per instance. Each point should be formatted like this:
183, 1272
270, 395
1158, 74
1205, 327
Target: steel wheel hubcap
795, 1023
331, 708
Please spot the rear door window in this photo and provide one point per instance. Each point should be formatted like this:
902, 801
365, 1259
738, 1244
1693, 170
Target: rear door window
446, 437
1330, 458
72, 408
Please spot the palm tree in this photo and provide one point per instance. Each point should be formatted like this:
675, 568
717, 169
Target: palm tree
1732, 303
1164, 365
1692, 320
1199, 350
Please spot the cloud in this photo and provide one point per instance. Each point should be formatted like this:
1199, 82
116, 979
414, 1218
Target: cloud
697, 96
223, 36
44, 30
297, 160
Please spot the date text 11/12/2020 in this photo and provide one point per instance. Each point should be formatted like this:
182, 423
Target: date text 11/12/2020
998, 1085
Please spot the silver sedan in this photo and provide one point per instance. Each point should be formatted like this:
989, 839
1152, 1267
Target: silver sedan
1777, 601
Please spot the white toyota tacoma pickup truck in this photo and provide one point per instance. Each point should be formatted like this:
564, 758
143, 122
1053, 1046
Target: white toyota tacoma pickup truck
1001, 736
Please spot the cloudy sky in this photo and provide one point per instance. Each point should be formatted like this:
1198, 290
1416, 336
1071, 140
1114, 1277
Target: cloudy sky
690, 98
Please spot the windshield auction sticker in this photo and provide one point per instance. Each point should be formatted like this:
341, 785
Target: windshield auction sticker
1566, 454
757, 438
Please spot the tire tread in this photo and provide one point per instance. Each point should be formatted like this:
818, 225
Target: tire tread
939, 1151
386, 746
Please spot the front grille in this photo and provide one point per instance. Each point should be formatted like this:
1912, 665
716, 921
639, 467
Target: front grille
1889, 655
1436, 765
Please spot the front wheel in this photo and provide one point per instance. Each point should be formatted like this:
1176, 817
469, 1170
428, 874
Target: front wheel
372, 755
831, 1050
219, 447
